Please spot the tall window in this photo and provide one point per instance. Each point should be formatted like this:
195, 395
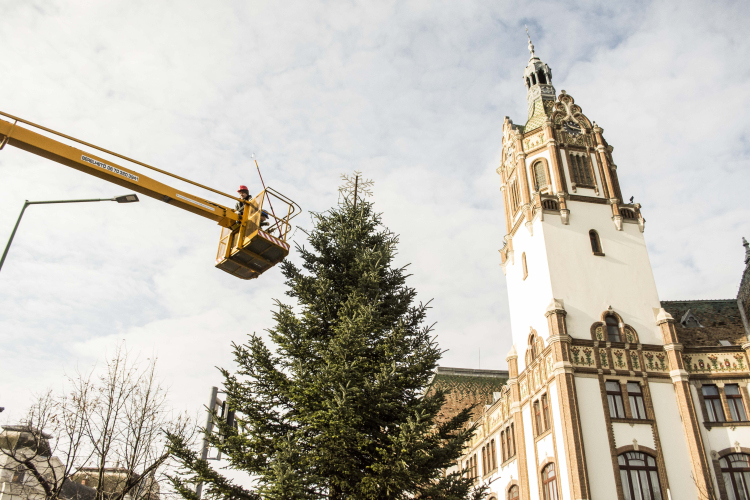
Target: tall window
493, 454
513, 493
613, 329
596, 246
512, 440
614, 398
503, 447
485, 462
712, 398
515, 196
735, 469
538, 417
635, 395
540, 178
734, 401
545, 412
549, 482
639, 475
18, 475
581, 173
525, 267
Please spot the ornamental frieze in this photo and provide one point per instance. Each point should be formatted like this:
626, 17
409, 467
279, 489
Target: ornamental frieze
719, 362
655, 361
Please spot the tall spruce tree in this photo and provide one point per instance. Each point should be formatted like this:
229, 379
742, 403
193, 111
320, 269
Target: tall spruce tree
335, 407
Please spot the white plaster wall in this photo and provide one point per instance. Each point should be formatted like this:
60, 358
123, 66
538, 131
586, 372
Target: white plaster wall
504, 477
626, 433
562, 459
595, 440
529, 298
672, 437
544, 449
589, 284
530, 465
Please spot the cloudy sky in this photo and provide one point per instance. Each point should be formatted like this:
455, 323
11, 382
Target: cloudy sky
411, 93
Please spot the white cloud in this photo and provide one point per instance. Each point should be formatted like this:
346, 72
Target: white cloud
414, 94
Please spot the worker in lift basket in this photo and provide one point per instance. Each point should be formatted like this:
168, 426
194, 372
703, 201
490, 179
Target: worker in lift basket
240, 206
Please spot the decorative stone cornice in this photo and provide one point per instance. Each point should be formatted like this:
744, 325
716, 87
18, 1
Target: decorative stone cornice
664, 317
555, 307
746, 346
515, 407
673, 347
559, 338
679, 376
562, 367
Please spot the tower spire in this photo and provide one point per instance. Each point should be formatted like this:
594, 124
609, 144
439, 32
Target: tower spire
531, 45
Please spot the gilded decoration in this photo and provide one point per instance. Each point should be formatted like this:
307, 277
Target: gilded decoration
619, 360
655, 361
534, 141
603, 358
582, 356
635, 361
715, 362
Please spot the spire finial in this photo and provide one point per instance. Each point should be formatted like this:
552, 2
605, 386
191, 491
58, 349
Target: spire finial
747, 250
531, 45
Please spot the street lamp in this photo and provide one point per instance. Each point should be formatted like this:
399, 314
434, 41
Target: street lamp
128, 198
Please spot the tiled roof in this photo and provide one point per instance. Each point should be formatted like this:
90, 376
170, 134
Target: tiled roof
467, 387
542, 109
720, 320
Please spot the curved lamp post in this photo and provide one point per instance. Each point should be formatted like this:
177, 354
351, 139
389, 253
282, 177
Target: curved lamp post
128, 198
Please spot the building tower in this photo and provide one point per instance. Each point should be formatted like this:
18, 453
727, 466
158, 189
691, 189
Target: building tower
598, 384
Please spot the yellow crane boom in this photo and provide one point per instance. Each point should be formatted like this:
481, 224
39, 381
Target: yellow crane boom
245, 250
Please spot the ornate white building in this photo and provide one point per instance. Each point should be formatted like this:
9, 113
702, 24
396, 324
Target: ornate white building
609, 395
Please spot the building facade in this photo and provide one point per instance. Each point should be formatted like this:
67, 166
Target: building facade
611, 393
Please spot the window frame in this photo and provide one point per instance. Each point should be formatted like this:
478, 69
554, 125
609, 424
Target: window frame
712, 402
651, 472
512, 441
493, 451
514, 492
637, 402
729, 472
610, 326
537, 412
545, 412
580, 170
539, 169
549, 484
735, 404
612, 396
596, 243
504, 457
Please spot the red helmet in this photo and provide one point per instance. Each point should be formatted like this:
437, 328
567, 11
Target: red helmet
243, 188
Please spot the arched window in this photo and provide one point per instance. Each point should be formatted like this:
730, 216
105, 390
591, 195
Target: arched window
493, 454
613, 329
538, 418
542, 78
596, 245
513, 493
503, 448
639, 475
512, 440
735, 469
525, 267
540, 177
549, 482
528, 83
532, 348
533, 79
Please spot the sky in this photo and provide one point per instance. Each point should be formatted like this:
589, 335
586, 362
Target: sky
411, 93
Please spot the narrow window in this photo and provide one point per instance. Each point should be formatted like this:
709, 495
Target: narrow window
614, 398
493, 451
503, 447
538, 417
549, 482
596, 246
585, 171
540, 178
712, 398
515, 196
533, 79
513, 493
18, 475
735, 470
639, 475
734, 401
635, 395
542, 78
545, 412
525, 267
512, 440
613, 329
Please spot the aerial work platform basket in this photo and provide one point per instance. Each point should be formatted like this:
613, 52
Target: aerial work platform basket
249, 248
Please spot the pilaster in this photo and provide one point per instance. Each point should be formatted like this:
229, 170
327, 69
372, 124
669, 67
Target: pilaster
685, 404
515, 395
569, 409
